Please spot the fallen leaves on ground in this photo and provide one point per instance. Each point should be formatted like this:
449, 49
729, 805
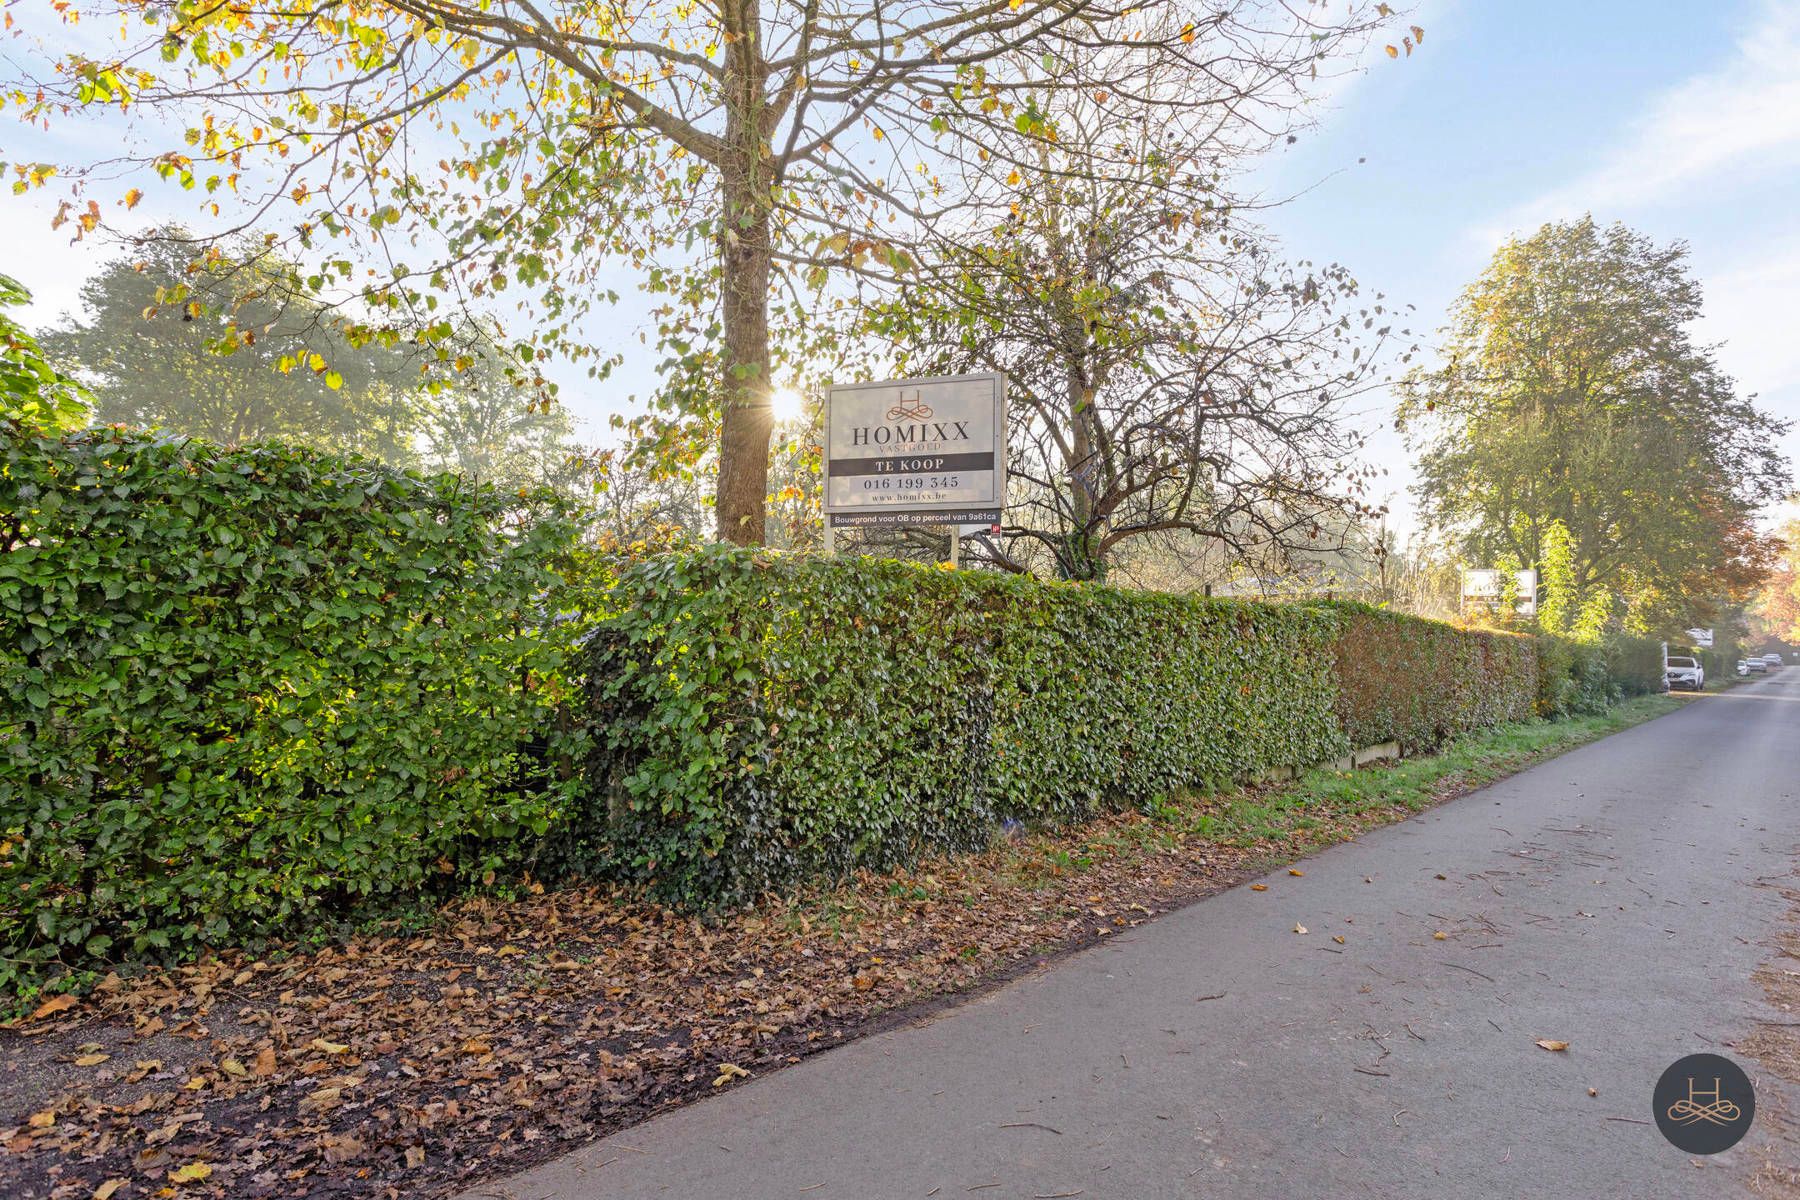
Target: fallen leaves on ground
416, 1064
1552, 1044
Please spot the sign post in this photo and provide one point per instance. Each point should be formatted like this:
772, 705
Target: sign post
919, 452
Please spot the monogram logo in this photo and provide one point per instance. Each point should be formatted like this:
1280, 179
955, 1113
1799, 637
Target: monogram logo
1703, 1104
910, 408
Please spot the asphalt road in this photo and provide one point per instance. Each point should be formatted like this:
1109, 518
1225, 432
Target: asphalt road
1616, 898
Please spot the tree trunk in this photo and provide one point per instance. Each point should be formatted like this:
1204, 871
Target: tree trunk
744, 259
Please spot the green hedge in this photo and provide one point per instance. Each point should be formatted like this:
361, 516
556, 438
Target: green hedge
762, 719
236, 685
244, 688
1418, 682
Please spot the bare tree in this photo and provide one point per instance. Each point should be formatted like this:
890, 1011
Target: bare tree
1170, 376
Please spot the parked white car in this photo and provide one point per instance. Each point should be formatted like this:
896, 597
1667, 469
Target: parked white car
1683, 672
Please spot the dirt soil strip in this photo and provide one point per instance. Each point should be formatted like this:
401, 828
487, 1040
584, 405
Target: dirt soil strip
417, 1065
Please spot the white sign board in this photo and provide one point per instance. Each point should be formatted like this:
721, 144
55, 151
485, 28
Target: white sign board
916, 451
1487, 587
1703, 638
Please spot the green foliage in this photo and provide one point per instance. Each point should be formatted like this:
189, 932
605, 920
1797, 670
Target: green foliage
32, 392
758, 720
1419, 682
1576, 425
240, 686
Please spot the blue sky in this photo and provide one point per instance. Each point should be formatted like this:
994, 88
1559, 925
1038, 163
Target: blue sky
1677, 117
1681, 119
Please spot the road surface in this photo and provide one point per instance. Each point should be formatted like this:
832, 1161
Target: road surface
1616, 898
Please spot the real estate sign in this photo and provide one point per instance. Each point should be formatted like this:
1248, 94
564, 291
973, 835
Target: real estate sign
916, 451
1485, 589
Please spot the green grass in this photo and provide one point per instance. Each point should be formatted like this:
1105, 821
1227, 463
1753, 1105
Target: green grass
1313, 805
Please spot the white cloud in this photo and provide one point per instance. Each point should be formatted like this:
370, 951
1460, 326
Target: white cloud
1735, 123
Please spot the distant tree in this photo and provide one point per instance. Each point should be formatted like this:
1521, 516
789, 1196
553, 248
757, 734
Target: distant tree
1777, 606
1575, 418
484, 426
234, 348
34, 392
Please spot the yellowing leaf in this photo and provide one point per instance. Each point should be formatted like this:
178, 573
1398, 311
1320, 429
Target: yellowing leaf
1418, 36
1295, 871
1013, 179
325, 1047
105, 1190
1440, 935
1338, 938
1550, 1044
1299, 929
232, 1066
192, 1173
91, 1060
265, 1061
728, 1072
132, 197
1391, 52
42, 1120
1259, 887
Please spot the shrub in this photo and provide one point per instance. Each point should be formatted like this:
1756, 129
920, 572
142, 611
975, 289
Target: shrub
1635, 664
1418, 682
236, 685
759, 720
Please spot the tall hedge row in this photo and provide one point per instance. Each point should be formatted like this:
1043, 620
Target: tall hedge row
239, 688
237, 685
761, 719
1417, 682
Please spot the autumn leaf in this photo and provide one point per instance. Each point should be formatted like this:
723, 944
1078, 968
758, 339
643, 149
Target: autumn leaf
265, 1061
325, 1047
1550, 1044
91, 1060
728, 1072
1338, 938
1391, 52
1418, 35
132, 197
1299, 929
1259, 887
192, 1173
1012, 179
1440, 935
105, 1190
52, 1006
1295, 871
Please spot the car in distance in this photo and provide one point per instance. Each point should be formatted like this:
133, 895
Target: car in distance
1772, 660
1743, 666
1757, 666
1684, 673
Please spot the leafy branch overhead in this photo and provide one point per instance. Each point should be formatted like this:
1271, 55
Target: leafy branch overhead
433, 155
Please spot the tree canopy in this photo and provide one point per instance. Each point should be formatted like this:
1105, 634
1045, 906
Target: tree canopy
33, 391
427, 156
1575, 424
